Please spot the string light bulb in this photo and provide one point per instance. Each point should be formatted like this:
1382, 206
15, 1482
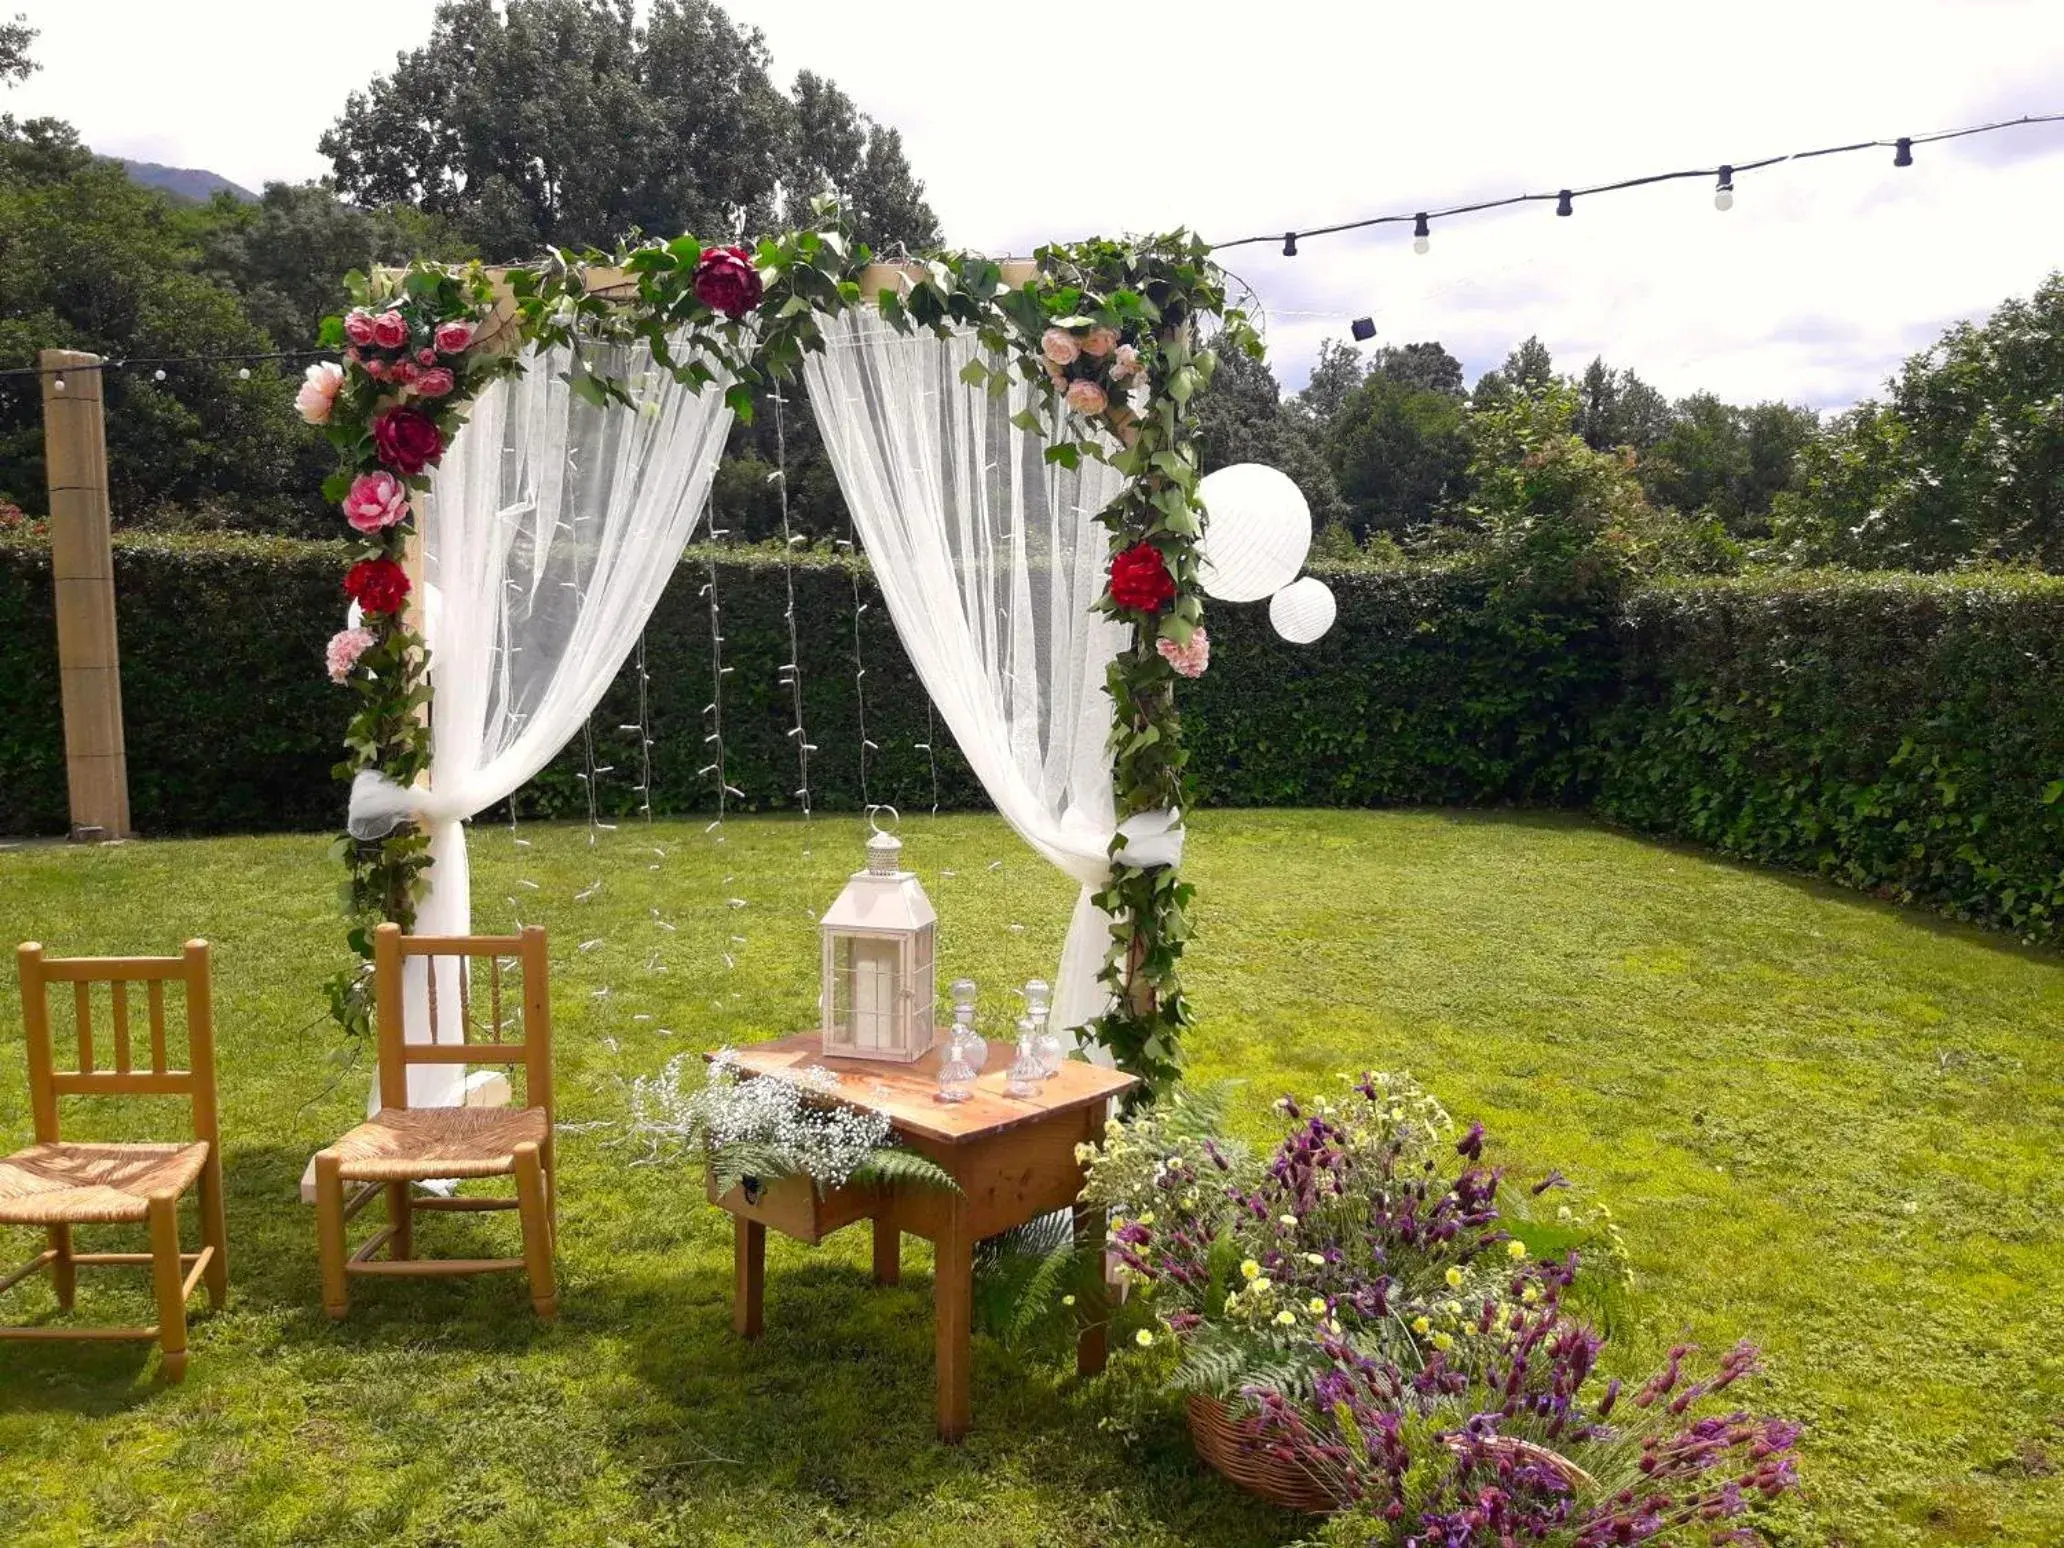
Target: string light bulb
243, 373
1421, 234
1289, 244
158, 375
1902, 152
1723, 191
58, 385
1562, 203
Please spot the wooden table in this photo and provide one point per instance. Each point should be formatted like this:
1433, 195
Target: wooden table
1013, 1158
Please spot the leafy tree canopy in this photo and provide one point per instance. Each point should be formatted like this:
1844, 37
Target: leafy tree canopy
569, 123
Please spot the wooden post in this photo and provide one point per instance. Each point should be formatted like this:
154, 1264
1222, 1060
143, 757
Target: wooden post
83, 570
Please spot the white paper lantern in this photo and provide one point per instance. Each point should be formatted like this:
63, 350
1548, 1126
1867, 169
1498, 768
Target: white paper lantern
1257, 532
1303, 610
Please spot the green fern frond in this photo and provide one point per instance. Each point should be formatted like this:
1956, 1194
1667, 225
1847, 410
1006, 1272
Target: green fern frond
894, 1165
1041, 1292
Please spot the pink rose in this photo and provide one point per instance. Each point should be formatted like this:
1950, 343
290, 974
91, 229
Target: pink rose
343, 651
1059, 346
403, 371
435, 382
376, 502
1128, 364
1101, 342
1188, 660
319, 389
390, 330
376, 369
358, 326
1087, 398
453, 338
426, 356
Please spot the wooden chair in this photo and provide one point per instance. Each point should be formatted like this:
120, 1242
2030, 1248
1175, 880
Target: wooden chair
402, 1145
59, 1184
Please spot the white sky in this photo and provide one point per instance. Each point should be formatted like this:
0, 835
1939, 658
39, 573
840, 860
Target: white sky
1813, 288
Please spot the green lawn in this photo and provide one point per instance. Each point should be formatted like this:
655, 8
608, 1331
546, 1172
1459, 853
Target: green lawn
1824, 1123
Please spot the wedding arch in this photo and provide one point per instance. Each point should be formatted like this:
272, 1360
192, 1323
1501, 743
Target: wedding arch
525, 452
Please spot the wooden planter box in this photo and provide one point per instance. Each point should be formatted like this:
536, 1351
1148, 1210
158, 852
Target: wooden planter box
795, 1207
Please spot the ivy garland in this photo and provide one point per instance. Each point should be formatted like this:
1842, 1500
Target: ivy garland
1105, 330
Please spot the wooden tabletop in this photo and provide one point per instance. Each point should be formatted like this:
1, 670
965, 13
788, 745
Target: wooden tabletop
908, 1093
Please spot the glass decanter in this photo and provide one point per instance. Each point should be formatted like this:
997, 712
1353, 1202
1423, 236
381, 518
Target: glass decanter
1025, 1074
1046, 1043
963, 992
956, 1077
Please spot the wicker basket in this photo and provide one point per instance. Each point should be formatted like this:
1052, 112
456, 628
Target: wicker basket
1232, 1443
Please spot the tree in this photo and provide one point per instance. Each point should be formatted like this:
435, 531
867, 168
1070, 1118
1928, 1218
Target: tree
566, 123
1529, 369
1617, 408
1340, 370
1426, 366
1727, 461
1399, 453
287, 254
92, 261
15, 63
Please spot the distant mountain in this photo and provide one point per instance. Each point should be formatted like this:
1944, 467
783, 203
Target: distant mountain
190, 183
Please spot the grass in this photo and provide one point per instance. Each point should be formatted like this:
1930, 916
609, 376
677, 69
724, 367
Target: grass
1823, 1122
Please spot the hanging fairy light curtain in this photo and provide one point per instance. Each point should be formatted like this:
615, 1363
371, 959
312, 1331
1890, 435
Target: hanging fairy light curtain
550, 529
990, 560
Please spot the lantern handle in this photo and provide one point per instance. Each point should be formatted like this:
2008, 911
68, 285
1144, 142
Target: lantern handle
883, 806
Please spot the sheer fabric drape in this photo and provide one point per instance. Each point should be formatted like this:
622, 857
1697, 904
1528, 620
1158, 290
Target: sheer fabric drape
989, 560
550, 529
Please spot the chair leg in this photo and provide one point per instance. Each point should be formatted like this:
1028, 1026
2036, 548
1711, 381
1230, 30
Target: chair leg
400, 1215
167, 1278
64, 1273
215, 1231
329, 1232
537, 1230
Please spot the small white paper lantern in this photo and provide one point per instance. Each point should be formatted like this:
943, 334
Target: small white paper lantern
879, 974
1303, 610
1257, 532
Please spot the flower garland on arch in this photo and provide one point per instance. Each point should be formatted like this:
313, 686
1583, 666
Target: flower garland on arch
1104, 329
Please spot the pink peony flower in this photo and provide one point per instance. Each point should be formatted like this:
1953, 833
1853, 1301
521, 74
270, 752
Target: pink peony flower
1101, 342
426, 356
390, 330
376, 369
1127, 364
1087, 398
435, 382
318, 394
403, 371
1188, 660
376, 501
343, 651
358, 326
454, 337
1059, 346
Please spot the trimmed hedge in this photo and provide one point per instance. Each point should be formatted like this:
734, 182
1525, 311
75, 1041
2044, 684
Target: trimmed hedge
1902, 734
1899, 733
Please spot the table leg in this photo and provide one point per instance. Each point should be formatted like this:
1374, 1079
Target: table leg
1092, 1304
749, 1279
953, 1289
888, 1251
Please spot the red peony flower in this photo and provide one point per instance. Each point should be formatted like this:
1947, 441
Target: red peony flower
377, 585
726, 281
407, 441
1140, 579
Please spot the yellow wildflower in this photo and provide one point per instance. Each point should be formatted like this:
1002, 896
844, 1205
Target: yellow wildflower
1442, 1341
1421, 1326
1317, 1304
1144, 1338
1285, 1318
1249, 1269
1454, 1279
1516, 1249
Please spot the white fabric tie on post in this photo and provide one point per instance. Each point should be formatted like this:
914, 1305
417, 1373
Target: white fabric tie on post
991, 560
550, 530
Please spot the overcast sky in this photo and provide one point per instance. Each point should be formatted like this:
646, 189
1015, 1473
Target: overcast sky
1259, 117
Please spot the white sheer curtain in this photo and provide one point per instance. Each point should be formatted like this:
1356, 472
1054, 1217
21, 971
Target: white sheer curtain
550, 530
989, 559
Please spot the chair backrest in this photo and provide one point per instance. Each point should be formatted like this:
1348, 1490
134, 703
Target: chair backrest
118, 1067
392, 951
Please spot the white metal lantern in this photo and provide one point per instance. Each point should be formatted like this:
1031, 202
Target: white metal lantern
879, 979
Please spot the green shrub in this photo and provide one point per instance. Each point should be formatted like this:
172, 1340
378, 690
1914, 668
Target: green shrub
1899, 733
